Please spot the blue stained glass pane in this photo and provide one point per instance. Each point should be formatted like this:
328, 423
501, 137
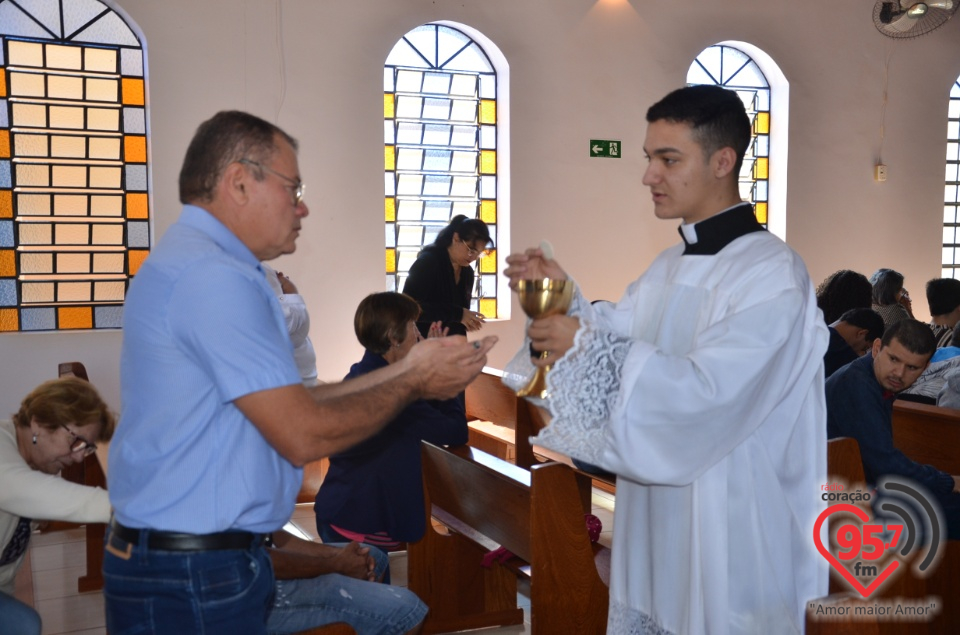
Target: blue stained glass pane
131, 62
8, 292
437, 160
5, 174
1, 52
134, 121
761, 146
79, 12
16, 22
136, 178
38, 319
138, 234
761, 191
391, 282
391, 240
437, 211
430, 233
108, 317
109, 29
4, 123
436, 185
6, 233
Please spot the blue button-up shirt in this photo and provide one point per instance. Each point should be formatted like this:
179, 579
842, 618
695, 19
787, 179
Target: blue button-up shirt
201, 328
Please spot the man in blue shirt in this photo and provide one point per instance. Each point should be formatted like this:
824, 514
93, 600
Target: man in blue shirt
216, 423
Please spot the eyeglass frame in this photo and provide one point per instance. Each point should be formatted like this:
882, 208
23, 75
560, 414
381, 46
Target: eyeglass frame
471, 252
298, 185
79, 443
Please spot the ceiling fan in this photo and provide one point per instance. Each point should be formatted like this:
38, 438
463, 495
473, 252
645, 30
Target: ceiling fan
909, 18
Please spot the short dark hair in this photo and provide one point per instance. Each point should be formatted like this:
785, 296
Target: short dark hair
841, 291
715, 114
227, 137
470, 230
887, 283
865, 319
943, 295
914, 335
382, 316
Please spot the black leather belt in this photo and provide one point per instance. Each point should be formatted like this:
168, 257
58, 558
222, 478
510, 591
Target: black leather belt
172, 541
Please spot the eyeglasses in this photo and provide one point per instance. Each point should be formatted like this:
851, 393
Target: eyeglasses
79, 443
471, 252
298, 185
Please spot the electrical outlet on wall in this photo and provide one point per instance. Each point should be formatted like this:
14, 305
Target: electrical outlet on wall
879, 173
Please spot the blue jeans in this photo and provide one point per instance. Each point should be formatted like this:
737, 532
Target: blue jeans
177, 592
369, 607
17, 617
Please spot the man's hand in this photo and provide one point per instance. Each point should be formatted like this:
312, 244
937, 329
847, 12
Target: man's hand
286, 284
532, 265
554, 334
445, 366
356, 562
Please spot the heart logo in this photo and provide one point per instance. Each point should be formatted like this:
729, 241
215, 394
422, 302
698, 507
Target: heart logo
865, 591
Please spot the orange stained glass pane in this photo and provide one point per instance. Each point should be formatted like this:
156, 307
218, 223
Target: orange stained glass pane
488, 212
4, 144
488, 306
761, 168
391, 260
9, 320
488, 262
135, 258
390, 209
760, 209
75, 317
135, 149
389, 157
488, 162
8, 263
389, 107
3, 84
6, 204
488, 111
137, 206
761, 124
132, 91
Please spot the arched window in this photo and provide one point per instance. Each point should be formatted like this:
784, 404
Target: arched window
732, 68
443, 152
951, 190
74, 204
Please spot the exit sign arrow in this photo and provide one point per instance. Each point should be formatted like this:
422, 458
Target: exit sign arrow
605, 148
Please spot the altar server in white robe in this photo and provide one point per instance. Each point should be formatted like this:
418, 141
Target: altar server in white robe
702, 390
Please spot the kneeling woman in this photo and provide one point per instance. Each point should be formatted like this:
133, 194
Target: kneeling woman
373, 492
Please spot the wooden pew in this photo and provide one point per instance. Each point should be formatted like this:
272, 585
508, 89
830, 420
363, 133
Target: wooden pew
536, 515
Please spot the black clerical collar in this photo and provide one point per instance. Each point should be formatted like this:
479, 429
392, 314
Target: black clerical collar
711, 235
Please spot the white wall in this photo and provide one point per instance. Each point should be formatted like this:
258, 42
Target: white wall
579, 69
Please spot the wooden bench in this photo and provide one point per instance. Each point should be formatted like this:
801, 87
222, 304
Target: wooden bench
536, 515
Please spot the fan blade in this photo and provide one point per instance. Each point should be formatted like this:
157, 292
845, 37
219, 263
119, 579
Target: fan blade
903, 23
946, 5
918, 10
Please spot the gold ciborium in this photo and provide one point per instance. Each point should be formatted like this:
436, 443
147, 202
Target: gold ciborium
539, 299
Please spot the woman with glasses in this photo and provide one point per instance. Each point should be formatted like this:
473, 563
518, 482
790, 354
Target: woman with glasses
441, 279
57, 425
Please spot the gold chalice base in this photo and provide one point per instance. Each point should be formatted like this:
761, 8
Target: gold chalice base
539, 299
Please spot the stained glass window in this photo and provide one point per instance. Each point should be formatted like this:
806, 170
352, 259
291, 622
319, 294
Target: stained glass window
74, 203
440, 149
731, 68
951, 190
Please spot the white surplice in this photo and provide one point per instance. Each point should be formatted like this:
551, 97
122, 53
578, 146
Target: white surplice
703, 390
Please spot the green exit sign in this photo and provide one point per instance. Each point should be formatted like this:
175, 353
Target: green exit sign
605, 148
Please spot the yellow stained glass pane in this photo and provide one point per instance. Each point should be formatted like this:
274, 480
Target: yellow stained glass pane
390, 209
108, 263
73, 263
26, 85
75, 317
388, 106
33, 204
137, 206
488, 212
389, 157
132, 92
32, 175
9, 320
34, 292
760, 209
488, 162
73, 234
106, 205
29, 115
8, 263
488, 306
30, 145
135, 149
4, 144
103, 119
488, 111
65, 87
68, 146
36, 263
69, 176
104, 177
111, 291
761, 167
761, 124
60, 56
70, 204
66, 117
108, 234
488, 262
135, 257
6, 204
391, 260
35, 234
25, 53
103, 60
102, 89
104, 147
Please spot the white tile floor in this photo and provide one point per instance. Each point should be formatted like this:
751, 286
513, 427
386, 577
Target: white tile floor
59, 558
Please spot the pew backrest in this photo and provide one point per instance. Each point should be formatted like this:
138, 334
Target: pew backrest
928, 434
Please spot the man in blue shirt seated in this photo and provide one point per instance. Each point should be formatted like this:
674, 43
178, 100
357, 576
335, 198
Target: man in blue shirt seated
216, 422
851, 337
860, 405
